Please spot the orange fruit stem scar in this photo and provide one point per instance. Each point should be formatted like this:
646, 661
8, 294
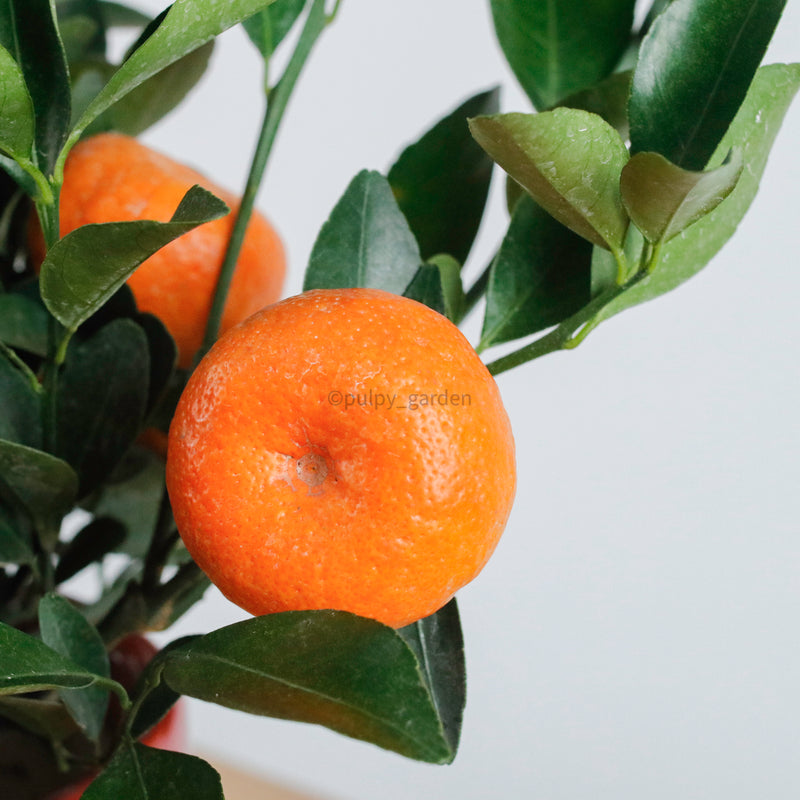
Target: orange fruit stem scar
342, 449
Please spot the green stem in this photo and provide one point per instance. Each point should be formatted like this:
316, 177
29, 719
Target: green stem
22, 367
568, 335
275, 108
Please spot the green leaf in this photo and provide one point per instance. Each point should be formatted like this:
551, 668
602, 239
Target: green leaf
138, 772
29, 32
83, 269
540, 276
16, 110
365, 242
438, 285
268, 28
662, 199
29, 665
82, 28
65, 630
753, 132
438, 644
351, 674
695, 66
442, 181
608, 99
569, 161
20, 419
46, 718
102, 396
157, 96
134, 502
558, 47
119, 15
45, 486
23, 324
13, 548
89, 546
188, 25
163, 357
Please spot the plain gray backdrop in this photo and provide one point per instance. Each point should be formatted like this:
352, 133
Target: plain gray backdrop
635, 634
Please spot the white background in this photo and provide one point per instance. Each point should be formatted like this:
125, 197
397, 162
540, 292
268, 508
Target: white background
636, 633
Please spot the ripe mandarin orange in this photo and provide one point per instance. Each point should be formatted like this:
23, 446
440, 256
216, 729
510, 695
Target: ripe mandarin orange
113, 178
343, 449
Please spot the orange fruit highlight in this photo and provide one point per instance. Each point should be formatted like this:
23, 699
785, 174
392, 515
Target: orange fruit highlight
342, 449
114, 178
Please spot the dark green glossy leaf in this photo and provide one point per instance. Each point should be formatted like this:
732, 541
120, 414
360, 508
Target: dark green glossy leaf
82, 28
268, 28
608, 99
438, 644
158, 698
135, 502
102, 397
365, 242
65, 630
351, 674
28, 31
188, 25
541, 275
157, 96
89, 546
438, 285
20, 417
13, 548
138, 772
558, 48
45, 486
23, 324
163, 357
16, 110
83, 269
569, 161
662, 199
44, 717
753, 132
695, 66
29, 665
441, 182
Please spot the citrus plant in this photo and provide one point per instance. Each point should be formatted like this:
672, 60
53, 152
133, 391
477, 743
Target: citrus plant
342, 524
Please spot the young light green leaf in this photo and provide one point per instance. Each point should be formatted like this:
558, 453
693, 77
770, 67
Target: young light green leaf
16, 110
102, 396
188, 25
365, 242
83, 269
569, 161
663, 199
45, 486
29, 32
351, 674
29, 665
438, 644
695, 66
441, 182
753, 132
138, 772
556, 48
540, 276
65, 630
